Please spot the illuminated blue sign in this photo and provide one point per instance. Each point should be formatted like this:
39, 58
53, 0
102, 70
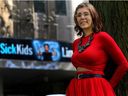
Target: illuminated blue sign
44, 50
19, 49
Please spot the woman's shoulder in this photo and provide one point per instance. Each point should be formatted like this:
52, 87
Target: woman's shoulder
103, 34
76, 40
104, 37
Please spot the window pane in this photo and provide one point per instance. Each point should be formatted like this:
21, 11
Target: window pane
60, 7
39, 6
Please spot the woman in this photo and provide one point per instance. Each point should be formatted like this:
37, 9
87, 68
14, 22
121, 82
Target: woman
91, 53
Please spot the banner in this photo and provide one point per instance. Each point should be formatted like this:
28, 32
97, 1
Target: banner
41, 50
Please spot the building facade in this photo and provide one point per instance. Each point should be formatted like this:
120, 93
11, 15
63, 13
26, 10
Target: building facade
35, 19
42, 19
6, 24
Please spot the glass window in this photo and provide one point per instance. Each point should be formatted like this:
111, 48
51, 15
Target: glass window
60, 7
39, 6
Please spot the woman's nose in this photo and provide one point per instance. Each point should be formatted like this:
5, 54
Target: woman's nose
83, 16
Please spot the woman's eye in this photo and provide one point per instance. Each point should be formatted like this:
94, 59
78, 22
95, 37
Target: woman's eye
82, 14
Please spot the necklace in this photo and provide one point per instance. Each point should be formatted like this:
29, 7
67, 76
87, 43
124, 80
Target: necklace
82, 48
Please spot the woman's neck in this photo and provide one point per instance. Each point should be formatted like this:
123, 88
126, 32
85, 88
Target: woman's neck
88, 32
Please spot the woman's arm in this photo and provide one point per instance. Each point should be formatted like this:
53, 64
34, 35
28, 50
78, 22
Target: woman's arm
117, 56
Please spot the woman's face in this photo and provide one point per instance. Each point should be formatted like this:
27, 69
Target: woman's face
84, 18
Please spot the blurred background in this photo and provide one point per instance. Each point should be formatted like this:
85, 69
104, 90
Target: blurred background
51, 20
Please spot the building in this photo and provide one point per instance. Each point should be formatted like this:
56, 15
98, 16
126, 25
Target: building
36, 20
56, 19
7, 25
42, 19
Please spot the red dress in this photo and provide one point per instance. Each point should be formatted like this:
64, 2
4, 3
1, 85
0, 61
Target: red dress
95, 58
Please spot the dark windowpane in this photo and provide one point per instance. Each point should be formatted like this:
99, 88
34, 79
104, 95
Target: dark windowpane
60, 7
39, 6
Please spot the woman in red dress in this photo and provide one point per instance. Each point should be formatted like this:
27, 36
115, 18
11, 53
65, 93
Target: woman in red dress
91, 53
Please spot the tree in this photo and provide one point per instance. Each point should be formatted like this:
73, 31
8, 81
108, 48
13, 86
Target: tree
115, 19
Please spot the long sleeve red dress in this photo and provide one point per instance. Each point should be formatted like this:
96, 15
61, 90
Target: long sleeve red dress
95, 58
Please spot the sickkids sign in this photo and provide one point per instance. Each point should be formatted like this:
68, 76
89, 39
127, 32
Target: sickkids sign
41, 50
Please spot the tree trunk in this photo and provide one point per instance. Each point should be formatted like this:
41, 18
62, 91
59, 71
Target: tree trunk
115, 20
